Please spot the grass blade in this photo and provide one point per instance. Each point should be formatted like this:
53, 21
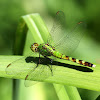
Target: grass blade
67, 73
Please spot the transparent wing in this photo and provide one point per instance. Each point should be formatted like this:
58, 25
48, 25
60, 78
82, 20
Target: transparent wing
57, 28
69, 42
63, 40
21, 66
41, 72
27, 66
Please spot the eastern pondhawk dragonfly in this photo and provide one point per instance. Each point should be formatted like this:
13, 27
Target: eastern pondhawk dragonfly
59, 45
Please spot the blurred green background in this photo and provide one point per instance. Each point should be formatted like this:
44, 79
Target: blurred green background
75, 11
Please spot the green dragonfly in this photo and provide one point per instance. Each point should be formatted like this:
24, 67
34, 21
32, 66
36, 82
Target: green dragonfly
59, 44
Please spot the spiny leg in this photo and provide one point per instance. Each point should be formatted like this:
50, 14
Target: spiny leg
51, 60
50, 69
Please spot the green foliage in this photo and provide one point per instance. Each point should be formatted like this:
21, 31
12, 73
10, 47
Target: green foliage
74, 10
76, 75
9, 19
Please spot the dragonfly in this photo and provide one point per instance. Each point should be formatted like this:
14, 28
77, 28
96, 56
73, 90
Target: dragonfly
60, 44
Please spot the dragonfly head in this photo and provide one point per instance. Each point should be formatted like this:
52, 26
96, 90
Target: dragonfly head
34, 47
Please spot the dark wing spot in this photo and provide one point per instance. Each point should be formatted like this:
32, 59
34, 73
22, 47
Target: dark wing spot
26, 77
8, 65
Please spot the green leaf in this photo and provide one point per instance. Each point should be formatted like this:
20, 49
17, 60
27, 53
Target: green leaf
66, 72
67, 92
88, 94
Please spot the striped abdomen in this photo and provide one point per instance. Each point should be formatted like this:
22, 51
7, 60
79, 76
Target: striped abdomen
61, 56
55, 53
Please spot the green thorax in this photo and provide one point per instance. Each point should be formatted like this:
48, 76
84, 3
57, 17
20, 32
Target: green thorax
48, 50
44, 49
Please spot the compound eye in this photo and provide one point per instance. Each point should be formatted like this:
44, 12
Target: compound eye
35, 49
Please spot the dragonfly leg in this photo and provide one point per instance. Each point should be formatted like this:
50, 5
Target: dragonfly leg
51, 66
51, 69
35, 67
51, 60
